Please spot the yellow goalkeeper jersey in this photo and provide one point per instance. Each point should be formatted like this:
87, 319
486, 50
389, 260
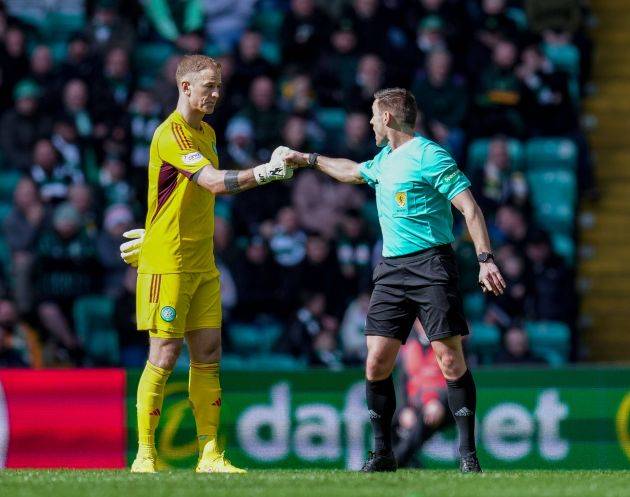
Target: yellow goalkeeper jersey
180, 218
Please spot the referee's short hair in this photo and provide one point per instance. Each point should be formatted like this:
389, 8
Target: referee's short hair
400, 102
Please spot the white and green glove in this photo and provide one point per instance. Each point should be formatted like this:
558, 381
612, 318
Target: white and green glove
130, 251
276, 169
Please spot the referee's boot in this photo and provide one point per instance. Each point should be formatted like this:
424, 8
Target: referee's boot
380, 462
469, 464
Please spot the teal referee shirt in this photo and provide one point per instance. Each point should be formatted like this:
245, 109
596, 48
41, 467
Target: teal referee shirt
414, 186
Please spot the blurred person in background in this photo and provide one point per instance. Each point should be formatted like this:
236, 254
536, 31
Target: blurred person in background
304, 30
44, 73
263, 112
225, 20
241, 149
356, 143
498, 182
53, 178
132, 345
311, 336
337, 65
354, 246
352, 329
107, 28
516, 300
21, 229
115, 188
66, 268
425, 402
515, 349
66, 141
248, 64
444, 102
13, 57
511, 226
80, 61
19, 344
163, 90
554, 297
118, 219
81, 196
22, 125
286, 240
369, 78
498, 95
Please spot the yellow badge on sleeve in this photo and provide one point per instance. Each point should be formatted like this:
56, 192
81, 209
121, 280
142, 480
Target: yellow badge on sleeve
401, 198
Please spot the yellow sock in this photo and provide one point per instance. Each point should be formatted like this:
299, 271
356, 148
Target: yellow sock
149, 402
204, 392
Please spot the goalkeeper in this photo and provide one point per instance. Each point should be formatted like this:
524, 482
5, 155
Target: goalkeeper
178, 294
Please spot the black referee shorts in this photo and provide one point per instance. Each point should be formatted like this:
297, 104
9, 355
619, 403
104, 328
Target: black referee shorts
423, 285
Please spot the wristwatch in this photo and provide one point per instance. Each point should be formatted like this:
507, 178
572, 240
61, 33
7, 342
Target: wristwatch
312, 159
485, 256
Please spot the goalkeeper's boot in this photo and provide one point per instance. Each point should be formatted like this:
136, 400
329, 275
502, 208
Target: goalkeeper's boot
145, 461
470, 464
380, 462
213, 461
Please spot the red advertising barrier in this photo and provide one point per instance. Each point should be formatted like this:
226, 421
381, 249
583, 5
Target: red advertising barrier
62, 418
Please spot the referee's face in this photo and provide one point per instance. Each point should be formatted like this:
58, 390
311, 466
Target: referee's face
378, 126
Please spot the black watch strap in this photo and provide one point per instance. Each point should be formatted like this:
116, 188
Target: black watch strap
312, 159
485, 256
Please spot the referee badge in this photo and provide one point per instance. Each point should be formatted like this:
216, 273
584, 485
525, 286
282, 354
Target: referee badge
168, 313
401, 199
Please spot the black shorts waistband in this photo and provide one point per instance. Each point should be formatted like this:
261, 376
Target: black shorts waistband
446, 249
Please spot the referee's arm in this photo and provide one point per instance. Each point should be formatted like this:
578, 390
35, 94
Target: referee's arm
489, 275
343, 170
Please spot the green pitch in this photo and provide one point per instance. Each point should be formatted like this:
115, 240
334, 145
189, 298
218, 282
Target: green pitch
320, 483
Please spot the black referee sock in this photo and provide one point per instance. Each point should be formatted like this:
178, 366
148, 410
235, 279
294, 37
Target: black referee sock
462, 399
381, 401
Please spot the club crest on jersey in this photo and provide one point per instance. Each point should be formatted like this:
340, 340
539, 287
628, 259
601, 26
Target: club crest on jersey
168, 313
192, 157
401, 198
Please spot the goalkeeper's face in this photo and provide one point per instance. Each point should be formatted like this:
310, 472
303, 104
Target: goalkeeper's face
205, 90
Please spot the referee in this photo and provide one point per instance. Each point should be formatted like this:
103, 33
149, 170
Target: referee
415, 181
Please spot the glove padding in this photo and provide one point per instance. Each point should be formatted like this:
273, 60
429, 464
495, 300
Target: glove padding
130, 251
276, 169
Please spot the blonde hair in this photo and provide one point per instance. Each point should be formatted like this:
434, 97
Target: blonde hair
400, 102
194, 64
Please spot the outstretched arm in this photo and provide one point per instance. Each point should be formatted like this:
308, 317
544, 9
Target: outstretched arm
234, 181
489, 275
343, 170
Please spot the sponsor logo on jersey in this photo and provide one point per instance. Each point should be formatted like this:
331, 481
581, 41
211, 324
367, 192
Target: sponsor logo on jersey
192, 157
451, 177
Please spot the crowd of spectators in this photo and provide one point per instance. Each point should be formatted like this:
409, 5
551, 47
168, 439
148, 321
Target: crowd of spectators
77, 117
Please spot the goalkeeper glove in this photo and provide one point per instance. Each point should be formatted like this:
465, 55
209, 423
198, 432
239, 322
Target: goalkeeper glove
276, 169
130, 251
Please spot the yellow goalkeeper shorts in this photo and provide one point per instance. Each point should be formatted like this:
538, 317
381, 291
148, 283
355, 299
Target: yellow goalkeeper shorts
169, 305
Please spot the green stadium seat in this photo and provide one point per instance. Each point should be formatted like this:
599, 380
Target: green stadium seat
94, 327
550, 340
5, 208
474, 306
270, 51
269, 22
8, 182
550, 153
554, 195
254, 338
59, 26
478, 153
150, 57
332, 119
564, 57
564, 246
484, 341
